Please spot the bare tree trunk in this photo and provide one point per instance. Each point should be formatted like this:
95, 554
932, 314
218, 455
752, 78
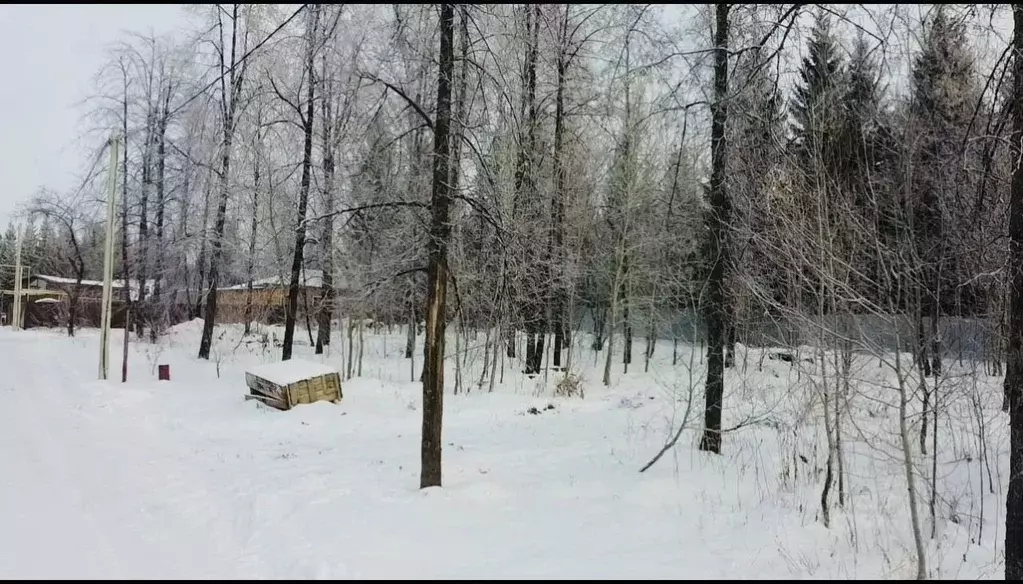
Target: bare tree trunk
569, 335
1014, 386
612, 321
326, 311
1005, 332
410, 339
457, 135
717, 245
303, 193
412, 367
829, 433
307, 311
142, 257
999, 345
362, 343
351, 347
157, 318
599, 327
935, 317
200, 262
533, 306
180, 231
124, 346
730, 337
651, 337
626, 315
934, 466
437, 270
231, 81
72, 309
251, 259
925, 371
840, 403
907, 453
125, 258
558, 296
216, 250
497, 354
458, 352
486, 359
78, 265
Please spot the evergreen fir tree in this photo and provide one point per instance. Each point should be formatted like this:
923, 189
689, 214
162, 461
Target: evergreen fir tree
815, 106
756, 132
940, 112
862, 104
8, 245
819, 158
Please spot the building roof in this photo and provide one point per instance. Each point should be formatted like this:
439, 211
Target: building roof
308, 279
115, 284
34, 292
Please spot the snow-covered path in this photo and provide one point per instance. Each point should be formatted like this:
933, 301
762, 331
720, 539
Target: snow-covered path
103, 480
187, 480
40, 493
73, 480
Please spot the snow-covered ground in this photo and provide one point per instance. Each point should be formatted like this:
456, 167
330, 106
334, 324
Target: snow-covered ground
186, 479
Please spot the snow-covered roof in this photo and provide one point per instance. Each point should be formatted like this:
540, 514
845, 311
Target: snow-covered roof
308, 278
133, 285
291, 371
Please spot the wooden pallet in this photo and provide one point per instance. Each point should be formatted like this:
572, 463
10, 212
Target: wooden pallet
326, 387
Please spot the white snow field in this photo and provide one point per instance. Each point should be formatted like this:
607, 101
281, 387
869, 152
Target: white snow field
186, 479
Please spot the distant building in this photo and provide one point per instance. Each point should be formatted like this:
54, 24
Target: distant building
87, 288
270, 298
46, 298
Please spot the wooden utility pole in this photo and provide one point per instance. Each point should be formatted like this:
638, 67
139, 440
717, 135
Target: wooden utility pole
108, 260
16, 306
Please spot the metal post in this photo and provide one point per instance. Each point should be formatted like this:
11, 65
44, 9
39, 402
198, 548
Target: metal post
108, 259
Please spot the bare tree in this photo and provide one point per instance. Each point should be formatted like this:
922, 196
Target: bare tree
70, 214
306, 120
437, 252
1014, 371
717, 249
232, 68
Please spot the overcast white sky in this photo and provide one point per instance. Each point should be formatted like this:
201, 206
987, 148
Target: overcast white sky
49, 55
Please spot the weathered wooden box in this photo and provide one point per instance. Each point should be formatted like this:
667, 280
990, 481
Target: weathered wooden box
289, 383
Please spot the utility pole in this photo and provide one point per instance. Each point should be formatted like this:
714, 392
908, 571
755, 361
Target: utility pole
16, 306
108, 259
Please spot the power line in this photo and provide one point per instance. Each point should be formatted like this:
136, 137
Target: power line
240, 61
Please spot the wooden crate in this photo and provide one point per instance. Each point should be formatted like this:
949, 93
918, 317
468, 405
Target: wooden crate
285, 385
